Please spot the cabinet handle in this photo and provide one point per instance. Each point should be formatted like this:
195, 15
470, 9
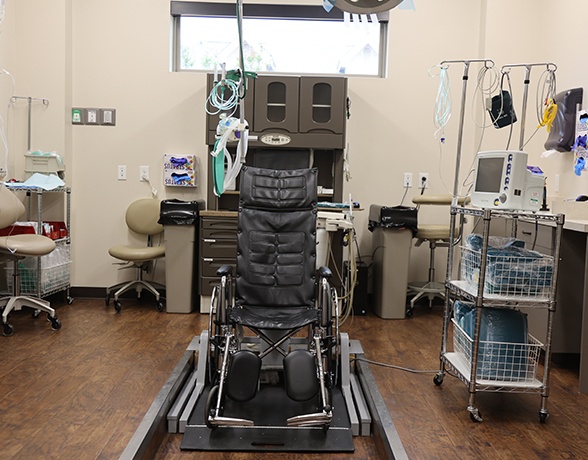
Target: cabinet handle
207, 259
527, 233
209, 240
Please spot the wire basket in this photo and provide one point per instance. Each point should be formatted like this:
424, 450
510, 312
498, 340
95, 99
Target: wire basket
502, 362
53, 279
521, 273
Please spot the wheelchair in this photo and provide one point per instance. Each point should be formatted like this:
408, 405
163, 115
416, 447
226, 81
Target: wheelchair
274, 322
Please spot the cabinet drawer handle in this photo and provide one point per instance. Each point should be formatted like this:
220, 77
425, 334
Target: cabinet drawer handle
527, 233
209, 240
207, 259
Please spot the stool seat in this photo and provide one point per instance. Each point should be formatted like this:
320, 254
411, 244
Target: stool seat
26, 245
137, 253
433, 232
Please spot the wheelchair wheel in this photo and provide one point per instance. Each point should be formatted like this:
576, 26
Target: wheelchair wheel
210, 406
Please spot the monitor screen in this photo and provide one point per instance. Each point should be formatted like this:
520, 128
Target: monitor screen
489, 174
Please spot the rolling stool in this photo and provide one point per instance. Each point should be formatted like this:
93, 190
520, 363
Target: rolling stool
437, 236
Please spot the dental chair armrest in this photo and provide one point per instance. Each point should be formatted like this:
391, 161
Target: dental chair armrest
224, 270
325, 272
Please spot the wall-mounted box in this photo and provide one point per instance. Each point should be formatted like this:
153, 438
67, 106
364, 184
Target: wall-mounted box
78, 115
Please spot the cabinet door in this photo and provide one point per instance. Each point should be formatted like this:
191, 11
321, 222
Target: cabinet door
322, 104
276, 104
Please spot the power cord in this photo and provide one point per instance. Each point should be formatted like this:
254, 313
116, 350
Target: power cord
400, 368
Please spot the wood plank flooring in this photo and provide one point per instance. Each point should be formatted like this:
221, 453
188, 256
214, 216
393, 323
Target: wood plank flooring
81, 392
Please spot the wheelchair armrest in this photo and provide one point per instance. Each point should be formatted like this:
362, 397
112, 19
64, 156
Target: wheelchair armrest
325, 272
224, 270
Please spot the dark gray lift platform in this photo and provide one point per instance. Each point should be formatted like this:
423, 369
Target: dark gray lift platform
359, 409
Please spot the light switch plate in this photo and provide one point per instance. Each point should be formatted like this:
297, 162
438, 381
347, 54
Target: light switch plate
108, 117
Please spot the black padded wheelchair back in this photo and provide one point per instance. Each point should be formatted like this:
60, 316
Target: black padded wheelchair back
276, 238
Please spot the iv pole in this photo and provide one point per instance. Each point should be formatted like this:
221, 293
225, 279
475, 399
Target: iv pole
551, 67
45, 102
489, 64
454, 200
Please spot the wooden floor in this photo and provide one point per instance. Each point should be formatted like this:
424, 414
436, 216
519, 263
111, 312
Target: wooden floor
81, 392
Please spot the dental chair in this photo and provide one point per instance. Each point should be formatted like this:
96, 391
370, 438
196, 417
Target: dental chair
278, 294
15, 248
141, 218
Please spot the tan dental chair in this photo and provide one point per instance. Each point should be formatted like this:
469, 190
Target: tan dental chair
14, 248
141, 217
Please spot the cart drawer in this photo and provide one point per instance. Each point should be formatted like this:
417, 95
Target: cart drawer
215, 249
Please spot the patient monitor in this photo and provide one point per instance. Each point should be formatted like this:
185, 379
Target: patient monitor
503, 181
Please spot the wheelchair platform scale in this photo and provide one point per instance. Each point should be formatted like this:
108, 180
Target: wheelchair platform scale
178, 409
269, 409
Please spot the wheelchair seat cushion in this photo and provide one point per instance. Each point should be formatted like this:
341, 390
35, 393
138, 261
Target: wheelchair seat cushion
274, 318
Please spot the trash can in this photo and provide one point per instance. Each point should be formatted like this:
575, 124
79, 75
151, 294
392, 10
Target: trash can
392, 231
180, 224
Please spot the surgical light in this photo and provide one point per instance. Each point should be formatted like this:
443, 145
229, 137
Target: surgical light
365, 6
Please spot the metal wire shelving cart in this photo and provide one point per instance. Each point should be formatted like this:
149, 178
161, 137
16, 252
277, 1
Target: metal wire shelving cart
47, 275
499, 366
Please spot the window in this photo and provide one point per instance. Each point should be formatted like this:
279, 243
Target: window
298, 39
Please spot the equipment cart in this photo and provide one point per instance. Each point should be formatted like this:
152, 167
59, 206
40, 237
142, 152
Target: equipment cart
50, 274
498, 283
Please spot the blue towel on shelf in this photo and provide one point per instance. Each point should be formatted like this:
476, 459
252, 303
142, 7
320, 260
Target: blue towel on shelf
503, 352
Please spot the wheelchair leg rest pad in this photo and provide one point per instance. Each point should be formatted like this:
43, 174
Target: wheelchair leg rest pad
300, 375
270, 408
243, 377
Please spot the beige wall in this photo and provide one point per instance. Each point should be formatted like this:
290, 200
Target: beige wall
116, 53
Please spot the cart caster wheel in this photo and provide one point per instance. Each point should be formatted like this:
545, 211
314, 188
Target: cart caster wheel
438, 379
70, 300
117, 306
36, 313
210, 406
55, 323
7, 330
107, 300
543, 417
476, 416
159, 305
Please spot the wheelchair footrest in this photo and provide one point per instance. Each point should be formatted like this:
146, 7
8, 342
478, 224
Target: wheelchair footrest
318, 419
243, 377
229, 421
300, 374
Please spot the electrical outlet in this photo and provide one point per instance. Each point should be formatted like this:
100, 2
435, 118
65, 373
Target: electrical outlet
407, 183
423, 180
144, 173
122, 172
91, 116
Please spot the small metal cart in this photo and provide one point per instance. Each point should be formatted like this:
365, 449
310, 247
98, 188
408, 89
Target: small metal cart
465, 360
45, 276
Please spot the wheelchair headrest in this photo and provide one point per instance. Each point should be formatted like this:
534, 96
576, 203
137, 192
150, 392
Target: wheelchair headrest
278, 189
